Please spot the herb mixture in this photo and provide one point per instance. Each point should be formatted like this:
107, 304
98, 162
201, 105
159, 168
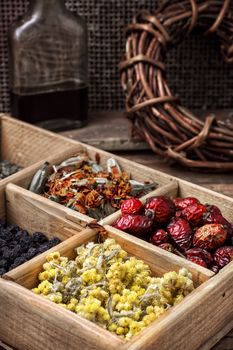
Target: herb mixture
83, 185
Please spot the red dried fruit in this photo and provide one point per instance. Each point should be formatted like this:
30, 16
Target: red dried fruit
158, 237
178, 214
181, 233
168, 247
181, 203
137, 225
162, 207
214, 216
210, 236
229, 227
201, 253
214, 268
197, 260
131, 206
223, 256
194, 213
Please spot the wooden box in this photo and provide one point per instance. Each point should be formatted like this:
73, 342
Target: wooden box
30, 322
137, 171
27, 146
49, 326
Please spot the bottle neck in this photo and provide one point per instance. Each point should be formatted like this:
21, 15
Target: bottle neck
44, 6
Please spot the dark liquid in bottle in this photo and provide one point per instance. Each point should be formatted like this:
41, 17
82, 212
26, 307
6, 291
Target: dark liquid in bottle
59, 110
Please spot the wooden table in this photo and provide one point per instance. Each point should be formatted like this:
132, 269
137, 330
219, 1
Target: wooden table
110, 131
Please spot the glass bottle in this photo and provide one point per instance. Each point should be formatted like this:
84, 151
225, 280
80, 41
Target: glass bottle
48, 67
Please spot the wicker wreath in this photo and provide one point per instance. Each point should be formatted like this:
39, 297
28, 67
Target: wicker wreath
157, 116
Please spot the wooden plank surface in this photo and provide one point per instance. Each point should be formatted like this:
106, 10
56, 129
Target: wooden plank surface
111, 132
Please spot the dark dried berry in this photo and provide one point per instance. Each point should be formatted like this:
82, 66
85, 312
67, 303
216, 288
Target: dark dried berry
201, 253
197, 260
12, 244
158, 237
2, 243
181, 233
6, 253
22, 235
135, 224
214, 268
19, 261
194, 213
223, 256
31, 253
54, 241
2, 271
162, 207
15, 252
132, 206
3, 263
12, 228
6, 235
168, 247
181, 203
210, 236
39, 237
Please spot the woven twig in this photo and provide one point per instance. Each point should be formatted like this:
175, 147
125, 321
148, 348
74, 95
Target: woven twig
170, 129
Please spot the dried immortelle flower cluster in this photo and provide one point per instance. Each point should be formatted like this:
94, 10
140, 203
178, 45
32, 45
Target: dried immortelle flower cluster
108, 287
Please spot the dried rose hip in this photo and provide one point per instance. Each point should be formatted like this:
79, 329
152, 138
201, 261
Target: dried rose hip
181, 233
168, 247
162, 207
229, 227
215, 268
223, 256
197, 260
201, 253
131, 206
210, 236
158, 237
194, 213
137, 225
214, 216
181, 203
